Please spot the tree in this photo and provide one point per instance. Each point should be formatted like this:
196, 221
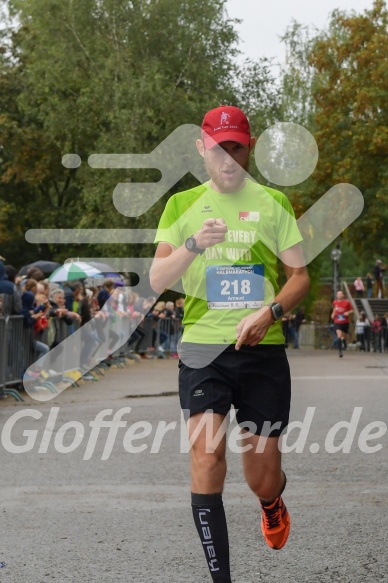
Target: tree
350, 90
100, 76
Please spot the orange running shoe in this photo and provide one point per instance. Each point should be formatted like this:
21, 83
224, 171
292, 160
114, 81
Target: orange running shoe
275, 523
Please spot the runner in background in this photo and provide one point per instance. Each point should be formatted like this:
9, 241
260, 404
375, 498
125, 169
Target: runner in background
340, 314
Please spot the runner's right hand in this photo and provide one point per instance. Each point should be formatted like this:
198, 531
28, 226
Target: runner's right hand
213, 231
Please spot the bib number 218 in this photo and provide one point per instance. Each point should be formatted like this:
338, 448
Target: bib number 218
242, 287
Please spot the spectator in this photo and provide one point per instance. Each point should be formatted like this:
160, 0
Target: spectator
109, 312
369, 285
179, 312
35, 273
361, 329
105, 292
72, 293
376, 333
158, 335
294, 324
300, 317
31, 285
378, 272
59, 313
14, 278
384, 331
11, 301
145, 304
137, 301
286, 328
44, 287
359, 287
95, 306
170, 329
138, 334
58, 307
90, 338
179, 308
11, 273
33, 314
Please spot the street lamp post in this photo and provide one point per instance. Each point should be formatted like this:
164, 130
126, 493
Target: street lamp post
336, 256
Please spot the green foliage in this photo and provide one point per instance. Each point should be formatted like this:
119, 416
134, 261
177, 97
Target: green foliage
335, 83
350, 90
118, 76
92, 76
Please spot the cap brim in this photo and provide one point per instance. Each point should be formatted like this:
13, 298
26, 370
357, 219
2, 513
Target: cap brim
211, 141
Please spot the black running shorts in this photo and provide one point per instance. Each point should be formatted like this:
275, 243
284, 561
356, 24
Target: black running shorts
342, 327
255, 379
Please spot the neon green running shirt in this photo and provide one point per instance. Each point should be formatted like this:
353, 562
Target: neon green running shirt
261, 223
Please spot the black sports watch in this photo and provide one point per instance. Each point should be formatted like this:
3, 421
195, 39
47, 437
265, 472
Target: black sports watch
277, 310
191, 245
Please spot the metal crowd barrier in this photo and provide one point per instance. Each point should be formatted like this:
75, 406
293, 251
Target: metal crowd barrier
168, 333
325, 338
146, 345
110, 337
160, 335
18, 350
17, 353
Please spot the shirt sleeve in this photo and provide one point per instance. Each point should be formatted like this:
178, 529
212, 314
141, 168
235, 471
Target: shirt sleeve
168, 230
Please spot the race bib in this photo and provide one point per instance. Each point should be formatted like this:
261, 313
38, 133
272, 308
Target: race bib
234, 286
341, 317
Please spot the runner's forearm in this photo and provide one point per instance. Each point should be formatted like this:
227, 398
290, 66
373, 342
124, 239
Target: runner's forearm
166, 271
294, 291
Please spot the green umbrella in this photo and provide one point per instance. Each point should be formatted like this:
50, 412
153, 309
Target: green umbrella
73, 271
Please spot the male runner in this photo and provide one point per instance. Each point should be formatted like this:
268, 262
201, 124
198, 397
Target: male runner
222, 238
340, 314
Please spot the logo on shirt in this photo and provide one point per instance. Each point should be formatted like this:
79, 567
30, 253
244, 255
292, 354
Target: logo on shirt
199, 393
249, 216
207, 209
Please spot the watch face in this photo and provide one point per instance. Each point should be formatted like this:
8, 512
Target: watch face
277, 311
190, 243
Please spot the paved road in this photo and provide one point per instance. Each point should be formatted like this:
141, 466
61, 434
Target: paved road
127, 518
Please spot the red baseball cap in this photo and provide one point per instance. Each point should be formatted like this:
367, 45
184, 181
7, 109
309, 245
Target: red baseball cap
225, 123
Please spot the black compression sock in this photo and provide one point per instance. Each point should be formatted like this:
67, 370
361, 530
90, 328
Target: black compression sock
209, 518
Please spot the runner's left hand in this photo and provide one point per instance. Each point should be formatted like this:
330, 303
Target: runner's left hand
252, 329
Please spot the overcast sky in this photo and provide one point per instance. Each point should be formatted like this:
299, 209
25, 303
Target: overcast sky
264, 21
